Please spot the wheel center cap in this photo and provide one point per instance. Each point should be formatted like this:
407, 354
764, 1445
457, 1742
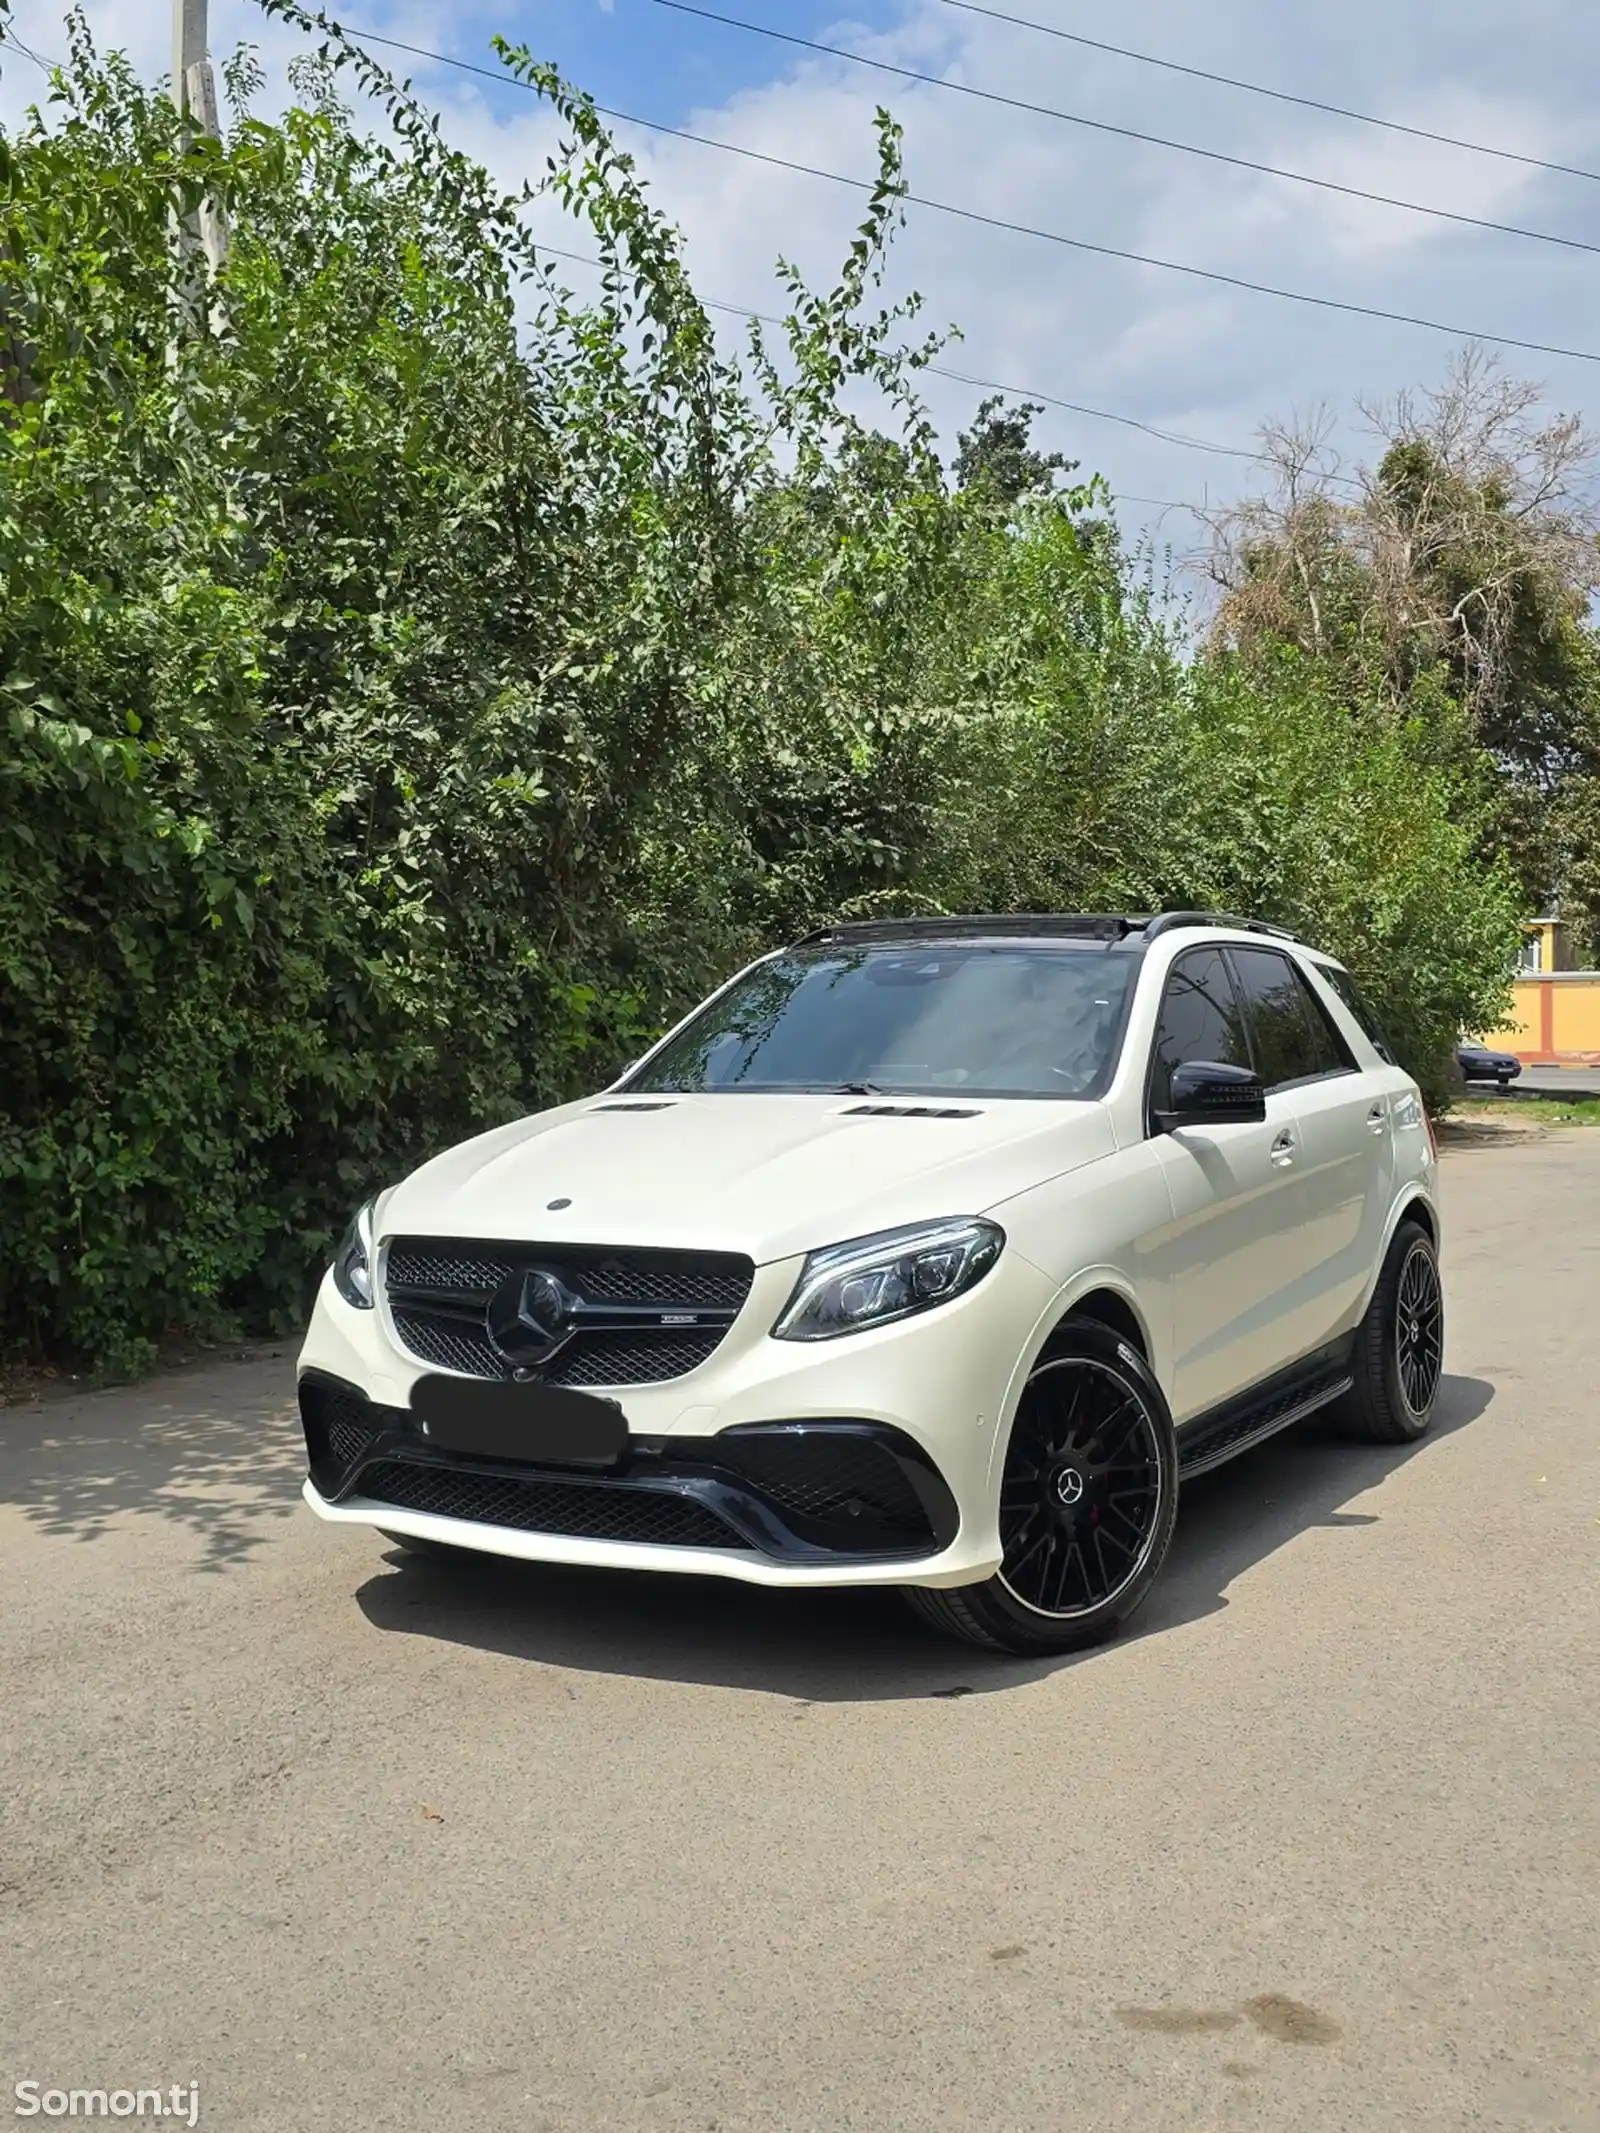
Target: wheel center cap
1068, 1486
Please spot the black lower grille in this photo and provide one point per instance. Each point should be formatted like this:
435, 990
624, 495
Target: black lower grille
827, 1474
347, 1442
583, 1510
339, 1424
786, 1489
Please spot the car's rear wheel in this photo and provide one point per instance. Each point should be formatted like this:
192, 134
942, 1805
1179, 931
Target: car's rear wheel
1399, 1354
1088, 1496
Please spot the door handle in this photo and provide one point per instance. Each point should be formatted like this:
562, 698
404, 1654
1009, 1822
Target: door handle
1378, 1118
1283, 1149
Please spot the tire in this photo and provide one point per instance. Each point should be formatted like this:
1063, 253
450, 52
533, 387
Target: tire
1092, 1420
1399, 1353
436, 1551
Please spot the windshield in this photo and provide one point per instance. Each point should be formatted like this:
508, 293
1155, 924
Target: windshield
1006, 1020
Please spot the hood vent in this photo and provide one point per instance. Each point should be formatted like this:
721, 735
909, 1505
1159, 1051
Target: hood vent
907, 1111
666, 1106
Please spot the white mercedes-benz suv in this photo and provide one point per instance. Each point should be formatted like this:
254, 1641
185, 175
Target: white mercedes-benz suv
931, 1253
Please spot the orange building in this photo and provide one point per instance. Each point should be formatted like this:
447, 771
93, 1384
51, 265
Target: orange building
1555, 1016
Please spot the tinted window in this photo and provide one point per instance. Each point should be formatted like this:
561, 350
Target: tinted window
1293, 1041
1200, 1019
1353, 997
1012, 1020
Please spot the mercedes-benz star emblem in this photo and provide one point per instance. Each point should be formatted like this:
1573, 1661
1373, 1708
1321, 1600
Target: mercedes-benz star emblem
1069, 1485
528, 1317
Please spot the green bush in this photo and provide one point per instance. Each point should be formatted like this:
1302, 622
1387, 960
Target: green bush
406, 704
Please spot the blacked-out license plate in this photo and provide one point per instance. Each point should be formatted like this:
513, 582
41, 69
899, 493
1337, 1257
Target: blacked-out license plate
532, 1422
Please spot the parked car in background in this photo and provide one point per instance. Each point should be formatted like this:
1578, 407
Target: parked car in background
930, 1253
1478, 1063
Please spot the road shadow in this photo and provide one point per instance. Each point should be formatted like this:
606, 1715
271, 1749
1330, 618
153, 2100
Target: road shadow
215, 1449
863, 1646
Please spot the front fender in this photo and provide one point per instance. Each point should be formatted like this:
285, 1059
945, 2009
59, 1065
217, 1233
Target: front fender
1088, 1282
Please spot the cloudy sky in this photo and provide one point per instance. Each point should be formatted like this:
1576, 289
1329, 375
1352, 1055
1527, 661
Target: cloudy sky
1160, 348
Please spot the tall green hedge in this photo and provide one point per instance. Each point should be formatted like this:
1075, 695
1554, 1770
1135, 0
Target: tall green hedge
415, 684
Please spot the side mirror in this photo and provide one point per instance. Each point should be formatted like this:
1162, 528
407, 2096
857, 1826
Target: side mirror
1206, 1093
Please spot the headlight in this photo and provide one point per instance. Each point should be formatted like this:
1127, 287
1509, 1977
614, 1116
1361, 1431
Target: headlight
352, 1265
873, 1280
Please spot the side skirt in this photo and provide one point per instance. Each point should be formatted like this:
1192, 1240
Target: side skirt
1288, 1397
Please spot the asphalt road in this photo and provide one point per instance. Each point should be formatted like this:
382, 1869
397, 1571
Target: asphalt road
1551, 1081
355, 1843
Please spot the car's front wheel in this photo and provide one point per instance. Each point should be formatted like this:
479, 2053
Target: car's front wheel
1088, 1496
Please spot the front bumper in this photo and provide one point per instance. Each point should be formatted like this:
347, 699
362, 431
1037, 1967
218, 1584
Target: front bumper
866, 1460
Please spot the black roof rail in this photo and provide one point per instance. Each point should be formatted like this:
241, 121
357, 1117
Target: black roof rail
1170, 921
1026, 925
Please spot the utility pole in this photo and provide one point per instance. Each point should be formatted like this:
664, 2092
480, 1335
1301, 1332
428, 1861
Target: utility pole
194, 91
188, 46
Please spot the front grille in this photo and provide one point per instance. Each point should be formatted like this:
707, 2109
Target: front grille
827, 1474
706, 1281
581, 1510
595, 1359
632, 1358
439, 1287
667, 1278
449, 1343
473, 1269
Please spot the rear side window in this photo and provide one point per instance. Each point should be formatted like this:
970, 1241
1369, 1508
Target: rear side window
1200, 1019
1294, 1040
1356, 1000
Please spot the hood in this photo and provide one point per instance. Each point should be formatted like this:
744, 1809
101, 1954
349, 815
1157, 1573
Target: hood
770, 1175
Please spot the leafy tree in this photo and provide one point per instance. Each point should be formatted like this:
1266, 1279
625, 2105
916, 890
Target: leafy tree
1456, 574
997, 455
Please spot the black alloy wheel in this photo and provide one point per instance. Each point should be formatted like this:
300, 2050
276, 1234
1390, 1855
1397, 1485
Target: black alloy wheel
1082, 1488
1419, 1328
1088, 1496
1398, 1363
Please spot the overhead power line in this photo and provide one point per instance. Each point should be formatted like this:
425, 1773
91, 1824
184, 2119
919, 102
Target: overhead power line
964, 377
1020, 229
1018, 392
45, 65
1161, 503
1126, 133
1281, 96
